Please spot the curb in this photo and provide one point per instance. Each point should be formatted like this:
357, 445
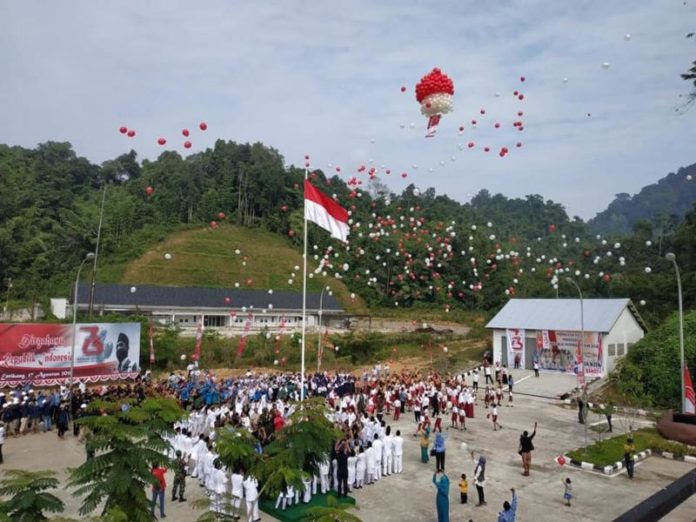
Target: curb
612, 468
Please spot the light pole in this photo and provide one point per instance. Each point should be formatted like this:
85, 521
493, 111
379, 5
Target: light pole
88, 257
582, 353
669, 256
7, 299
321, 303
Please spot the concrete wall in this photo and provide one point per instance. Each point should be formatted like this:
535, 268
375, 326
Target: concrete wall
625, 332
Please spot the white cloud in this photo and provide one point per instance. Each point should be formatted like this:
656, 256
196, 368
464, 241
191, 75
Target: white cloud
323, 78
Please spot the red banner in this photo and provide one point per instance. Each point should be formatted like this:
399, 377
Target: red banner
199, 340
41, 353
152, 343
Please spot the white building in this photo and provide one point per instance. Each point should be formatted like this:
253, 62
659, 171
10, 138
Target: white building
548, 330
232, 309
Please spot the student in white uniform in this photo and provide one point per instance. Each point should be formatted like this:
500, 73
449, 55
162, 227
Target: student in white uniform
398, 452
369, 464
377, 446
251, 494
387, 452
237, 484
352, 463
324, 476
359, 469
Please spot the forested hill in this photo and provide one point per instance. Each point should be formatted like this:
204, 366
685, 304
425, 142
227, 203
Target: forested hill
663, 204
416, 248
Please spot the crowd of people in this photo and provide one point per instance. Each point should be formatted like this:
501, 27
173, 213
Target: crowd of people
369, 450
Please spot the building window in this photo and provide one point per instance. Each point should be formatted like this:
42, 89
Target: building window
619, 349
612, 350
214, 320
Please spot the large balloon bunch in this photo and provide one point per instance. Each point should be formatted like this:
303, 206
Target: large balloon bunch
435, 93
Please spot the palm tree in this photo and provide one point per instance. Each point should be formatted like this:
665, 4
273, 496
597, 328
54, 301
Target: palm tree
28, 499
128, 442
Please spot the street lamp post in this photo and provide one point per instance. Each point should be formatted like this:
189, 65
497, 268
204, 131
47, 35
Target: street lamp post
88, 257
582, 353
321, 303
96, 254
670, 256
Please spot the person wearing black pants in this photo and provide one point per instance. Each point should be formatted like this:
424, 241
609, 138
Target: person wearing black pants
342, 453
480, 479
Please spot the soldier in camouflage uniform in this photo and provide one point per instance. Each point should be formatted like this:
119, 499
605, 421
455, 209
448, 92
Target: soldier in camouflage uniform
179, 477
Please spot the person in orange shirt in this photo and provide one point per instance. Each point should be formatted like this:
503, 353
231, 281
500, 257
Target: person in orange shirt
158, 488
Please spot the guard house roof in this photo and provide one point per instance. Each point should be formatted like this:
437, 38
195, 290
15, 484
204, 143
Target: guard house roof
562, 314
110, 295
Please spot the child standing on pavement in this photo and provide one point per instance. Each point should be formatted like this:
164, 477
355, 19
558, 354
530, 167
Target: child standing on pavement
568, 493
463, 490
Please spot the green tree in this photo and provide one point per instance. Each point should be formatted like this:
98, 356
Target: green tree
29, 499
129, 442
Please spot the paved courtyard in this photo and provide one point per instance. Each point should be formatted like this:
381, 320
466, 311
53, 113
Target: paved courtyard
411, 495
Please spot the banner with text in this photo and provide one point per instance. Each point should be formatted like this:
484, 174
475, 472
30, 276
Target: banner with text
558, 350
515, 347
40, 353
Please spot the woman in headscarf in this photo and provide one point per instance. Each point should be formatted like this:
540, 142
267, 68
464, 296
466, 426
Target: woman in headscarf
480, 479
439, 448
442, 498
424, 433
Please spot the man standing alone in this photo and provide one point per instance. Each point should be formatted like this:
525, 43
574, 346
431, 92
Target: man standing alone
526, 448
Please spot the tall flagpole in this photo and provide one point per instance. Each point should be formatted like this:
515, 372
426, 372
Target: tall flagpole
304, 293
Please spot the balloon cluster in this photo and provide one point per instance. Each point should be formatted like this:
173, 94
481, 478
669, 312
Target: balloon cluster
203, 126
434, 92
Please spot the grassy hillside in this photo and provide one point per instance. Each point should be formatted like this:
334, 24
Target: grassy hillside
208, 258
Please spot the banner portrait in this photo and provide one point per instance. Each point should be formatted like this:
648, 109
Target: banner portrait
559, 350
515, 347
40, 353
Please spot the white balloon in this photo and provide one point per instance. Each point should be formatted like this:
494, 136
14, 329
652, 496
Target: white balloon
132, 289
167, 256
606, 65
648, 269
642, 302
627, 36
464, 446
648, 243
183, 357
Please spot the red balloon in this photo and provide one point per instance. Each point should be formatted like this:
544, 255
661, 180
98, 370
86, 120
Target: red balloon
291, 233
161, 141
552, 227
185, 132
522, 78
203, 126
123, 130
461, 129
403, 175
227, 299
606, 278
521, 97
486, 149
473, 122
221, 215
561, 460
520, 113
403, 89
249, 282
213, 225
149, 190
471, 144
497, 125
284, 208
187, 144
515, 93
131, 133
519, 144
483, 111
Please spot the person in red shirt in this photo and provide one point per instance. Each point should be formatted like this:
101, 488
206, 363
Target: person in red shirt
158, 490
278, 422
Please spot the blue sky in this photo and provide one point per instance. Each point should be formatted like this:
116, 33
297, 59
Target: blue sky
324, 78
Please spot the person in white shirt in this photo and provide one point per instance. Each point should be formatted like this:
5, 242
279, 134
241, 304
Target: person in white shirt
360, 469
2, 439
218, 482
370, 464
377, 446
307, 489
251, 494
324, 476
352, 464
387, 452
398, 452
237, 484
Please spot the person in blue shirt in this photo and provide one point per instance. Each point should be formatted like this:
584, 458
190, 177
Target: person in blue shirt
442, 498
439, 449
509, 510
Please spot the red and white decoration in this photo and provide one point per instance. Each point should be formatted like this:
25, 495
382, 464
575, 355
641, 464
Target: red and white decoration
689, 395
325, 212
435, 93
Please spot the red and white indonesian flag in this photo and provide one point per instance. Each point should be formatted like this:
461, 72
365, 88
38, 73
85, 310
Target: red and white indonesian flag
325, 212
689, 395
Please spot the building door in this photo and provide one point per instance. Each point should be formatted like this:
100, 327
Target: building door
503, 350
529, 352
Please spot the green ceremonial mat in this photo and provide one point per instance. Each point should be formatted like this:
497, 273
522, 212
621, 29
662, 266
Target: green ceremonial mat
299, 511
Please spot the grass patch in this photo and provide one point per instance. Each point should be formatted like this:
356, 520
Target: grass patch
606, 452
207, 258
